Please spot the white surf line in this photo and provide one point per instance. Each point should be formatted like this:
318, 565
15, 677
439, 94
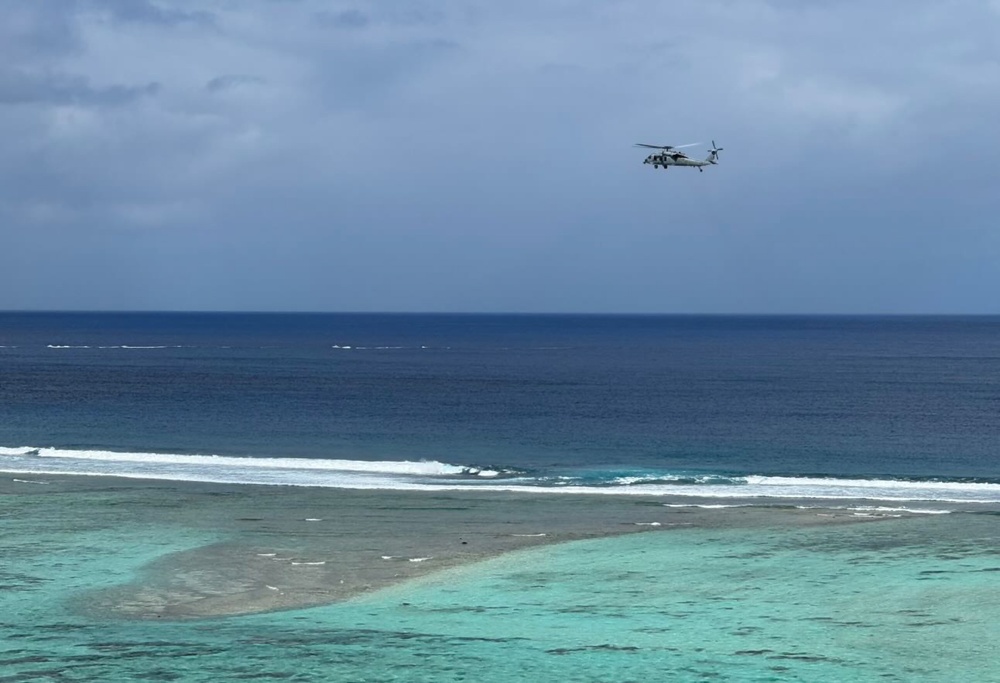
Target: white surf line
310, 563
883, 509
313, 519
707, 506
874, 515
528, 535
29, 481
420, 559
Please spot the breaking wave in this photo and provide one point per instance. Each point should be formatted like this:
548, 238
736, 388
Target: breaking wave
436, 476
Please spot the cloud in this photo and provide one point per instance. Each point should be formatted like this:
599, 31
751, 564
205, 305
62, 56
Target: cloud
350, 18
230, 81
455, 154
146, 11
18, 87
38, 32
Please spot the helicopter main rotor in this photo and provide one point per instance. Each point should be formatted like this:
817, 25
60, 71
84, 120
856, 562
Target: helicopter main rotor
667, 148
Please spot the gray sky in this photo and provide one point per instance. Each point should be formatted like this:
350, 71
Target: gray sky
475, 155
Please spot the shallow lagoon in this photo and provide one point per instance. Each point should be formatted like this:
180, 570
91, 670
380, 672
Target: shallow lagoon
720, 596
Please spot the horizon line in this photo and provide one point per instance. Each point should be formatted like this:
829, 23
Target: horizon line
501, 313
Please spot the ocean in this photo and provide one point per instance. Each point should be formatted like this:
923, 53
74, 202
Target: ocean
899, 408
813, 497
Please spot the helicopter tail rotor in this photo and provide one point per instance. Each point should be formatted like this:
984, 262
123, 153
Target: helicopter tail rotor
713, 154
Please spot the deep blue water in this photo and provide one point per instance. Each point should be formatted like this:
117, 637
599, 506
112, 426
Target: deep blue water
872, 397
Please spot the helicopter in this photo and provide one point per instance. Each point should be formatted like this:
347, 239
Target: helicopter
669, 156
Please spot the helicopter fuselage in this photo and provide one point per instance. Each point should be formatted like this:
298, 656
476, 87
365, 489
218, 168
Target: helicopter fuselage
665, 160
668, 155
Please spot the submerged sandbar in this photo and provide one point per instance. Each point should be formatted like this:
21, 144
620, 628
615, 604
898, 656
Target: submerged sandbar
282, 548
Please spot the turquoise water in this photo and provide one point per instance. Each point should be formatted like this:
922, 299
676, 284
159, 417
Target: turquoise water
909, 599
871, 602
51, 552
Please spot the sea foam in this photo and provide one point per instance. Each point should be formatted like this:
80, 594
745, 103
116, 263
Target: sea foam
432, 475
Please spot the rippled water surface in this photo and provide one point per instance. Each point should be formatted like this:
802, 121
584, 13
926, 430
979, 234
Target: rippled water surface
904, 599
